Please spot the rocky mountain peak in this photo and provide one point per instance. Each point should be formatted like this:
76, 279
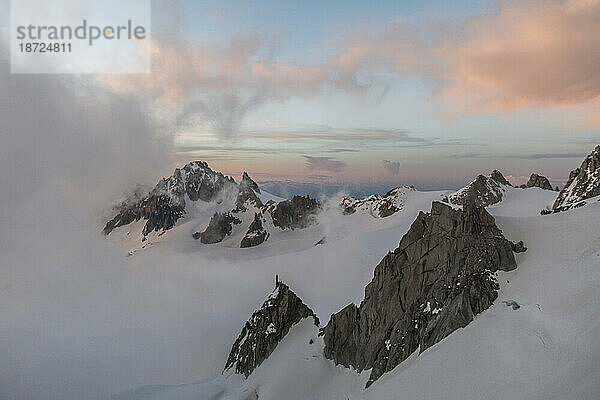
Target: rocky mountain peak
247, 195
439, 277
498, 177
540, 181
247, 181
266, 328
165, 204
483, 191
583, 183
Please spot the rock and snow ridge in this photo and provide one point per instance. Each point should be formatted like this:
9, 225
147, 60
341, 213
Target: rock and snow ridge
583, 183
483, 191
298, 213
266, 328
543, 348
166, 203
440, 276
376, 205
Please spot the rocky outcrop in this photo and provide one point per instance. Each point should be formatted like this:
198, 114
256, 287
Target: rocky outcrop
498, 177
165, 204
266, 328
220, 226
377, 206
536, 180
482, 192
291, 214
256, 233
441, 276
583, 183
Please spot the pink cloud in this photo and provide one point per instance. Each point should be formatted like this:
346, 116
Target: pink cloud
530, 54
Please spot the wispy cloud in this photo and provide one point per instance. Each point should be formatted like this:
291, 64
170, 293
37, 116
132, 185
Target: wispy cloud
326, 164
540, 156
391, 167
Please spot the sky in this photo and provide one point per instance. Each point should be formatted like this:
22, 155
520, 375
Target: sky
419, 92
428, 93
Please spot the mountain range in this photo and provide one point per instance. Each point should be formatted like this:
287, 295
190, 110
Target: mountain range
489, 291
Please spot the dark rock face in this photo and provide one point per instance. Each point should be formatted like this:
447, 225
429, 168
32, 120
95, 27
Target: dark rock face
498, 177
256, 233
165, 204
377, 206
247, 181
482, 192
266, 328
440, 276
583, 183
220, 226
540, 181
296, 213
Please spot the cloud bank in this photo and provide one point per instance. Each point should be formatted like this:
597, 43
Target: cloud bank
526, 54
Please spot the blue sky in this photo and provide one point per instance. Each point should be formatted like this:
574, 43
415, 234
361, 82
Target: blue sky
338, 91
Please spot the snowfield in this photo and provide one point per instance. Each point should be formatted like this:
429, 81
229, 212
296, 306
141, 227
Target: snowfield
91, 317
545, 349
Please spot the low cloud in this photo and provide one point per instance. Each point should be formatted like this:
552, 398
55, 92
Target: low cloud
326, 164
541, 156
391, 167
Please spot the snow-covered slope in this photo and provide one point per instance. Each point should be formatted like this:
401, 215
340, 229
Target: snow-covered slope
545, 349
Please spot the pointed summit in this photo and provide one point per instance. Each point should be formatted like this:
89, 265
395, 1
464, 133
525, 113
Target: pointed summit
266, 328
442, 274
498, 177
247, 181
540, 181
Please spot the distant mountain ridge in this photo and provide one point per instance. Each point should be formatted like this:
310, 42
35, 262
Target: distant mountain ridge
376, 205
165, 204
168, 202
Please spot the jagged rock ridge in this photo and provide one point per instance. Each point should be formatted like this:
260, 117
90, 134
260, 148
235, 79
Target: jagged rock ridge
440, 276
298, 213
482, 192
583, 183
266, 328
165, 204
377, 206
540, 181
